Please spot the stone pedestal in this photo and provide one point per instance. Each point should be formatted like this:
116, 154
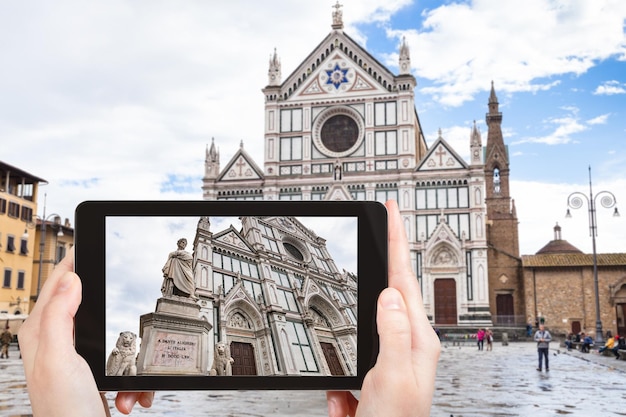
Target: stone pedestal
174, 340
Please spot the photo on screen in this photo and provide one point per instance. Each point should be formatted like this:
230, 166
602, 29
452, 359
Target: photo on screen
222, 296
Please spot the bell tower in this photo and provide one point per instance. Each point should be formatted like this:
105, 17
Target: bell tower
505, 277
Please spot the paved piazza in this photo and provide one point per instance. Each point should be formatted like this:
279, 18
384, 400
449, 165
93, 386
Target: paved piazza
503, 382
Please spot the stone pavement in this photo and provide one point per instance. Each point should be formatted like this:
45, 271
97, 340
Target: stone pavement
503, 382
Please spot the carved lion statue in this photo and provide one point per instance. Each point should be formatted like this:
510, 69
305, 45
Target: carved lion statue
122, 360
222, 361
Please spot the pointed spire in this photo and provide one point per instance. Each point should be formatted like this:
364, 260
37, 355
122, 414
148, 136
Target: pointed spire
405, 57
212, 152
475, 136
241, 144
337, 16
439, 132
492, 95
274, 74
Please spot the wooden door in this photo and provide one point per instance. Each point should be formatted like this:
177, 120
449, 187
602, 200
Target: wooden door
504, 309
445, 302
576, 327
243, 354
620, 310
332, 359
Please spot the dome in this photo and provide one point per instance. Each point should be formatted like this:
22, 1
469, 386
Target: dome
558, 245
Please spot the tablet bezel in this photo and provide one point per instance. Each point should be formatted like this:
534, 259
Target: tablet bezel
90, 244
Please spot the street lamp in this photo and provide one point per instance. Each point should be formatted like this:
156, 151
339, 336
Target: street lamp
42, 242
575, 201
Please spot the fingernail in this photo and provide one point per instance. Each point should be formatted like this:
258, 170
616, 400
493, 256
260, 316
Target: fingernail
391, 300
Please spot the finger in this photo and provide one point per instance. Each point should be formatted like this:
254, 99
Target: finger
341, 403
66, 265
125, 401
57, 320
394, 330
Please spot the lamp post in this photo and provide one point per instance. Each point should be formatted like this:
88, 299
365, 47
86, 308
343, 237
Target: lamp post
607, 200
42, 243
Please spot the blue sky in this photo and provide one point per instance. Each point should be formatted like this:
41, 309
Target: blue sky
118, 99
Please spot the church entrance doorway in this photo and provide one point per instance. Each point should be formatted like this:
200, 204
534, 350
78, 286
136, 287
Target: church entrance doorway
332, 359
243, 354
576, 328
505, 313
620, 310
445, 302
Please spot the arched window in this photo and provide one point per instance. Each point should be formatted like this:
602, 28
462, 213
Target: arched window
496, 180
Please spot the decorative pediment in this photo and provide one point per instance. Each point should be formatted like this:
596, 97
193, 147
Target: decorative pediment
441, 156
338, 66
338, 193
241, 167
231, 237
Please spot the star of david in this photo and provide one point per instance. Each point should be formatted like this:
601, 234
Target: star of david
337, 76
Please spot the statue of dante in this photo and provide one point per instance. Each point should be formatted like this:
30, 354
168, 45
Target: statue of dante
178, 271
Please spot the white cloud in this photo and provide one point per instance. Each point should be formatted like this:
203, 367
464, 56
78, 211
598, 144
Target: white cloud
566, 127
522, 47
610, 88
599, 120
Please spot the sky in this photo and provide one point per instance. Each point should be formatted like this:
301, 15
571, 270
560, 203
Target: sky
119, 99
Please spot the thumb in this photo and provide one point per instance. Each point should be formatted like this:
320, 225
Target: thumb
57, 320
394, 330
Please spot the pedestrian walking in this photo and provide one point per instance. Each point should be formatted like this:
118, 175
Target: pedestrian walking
5, 340
543, 338
489, 339
480, 338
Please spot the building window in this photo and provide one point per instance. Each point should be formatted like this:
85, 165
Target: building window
6, 283
60, 253
290, 196
459, 223
291, 120
14, 209
470, 282
385, 195
27, 214
386, 143
24, 246
21, 277
301, 347
496, 181
224, 281
418, 269
10, 243
3, 206
293, 251
291, 149
385, 113
438, 198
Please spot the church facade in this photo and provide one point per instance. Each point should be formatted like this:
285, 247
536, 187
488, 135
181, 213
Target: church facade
278, 316
342, 126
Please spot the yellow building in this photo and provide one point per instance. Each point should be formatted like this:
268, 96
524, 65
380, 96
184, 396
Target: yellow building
57, 239
18, 207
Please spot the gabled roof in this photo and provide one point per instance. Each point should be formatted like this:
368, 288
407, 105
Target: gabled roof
441, 156
241, 167
232, 237
337, 52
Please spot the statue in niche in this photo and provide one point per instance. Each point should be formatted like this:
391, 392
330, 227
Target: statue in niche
178, 273
122, 360
222, 361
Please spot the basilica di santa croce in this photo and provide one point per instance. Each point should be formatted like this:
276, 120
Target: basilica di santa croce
342, 126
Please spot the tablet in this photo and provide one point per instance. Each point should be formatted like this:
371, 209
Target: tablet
198, 295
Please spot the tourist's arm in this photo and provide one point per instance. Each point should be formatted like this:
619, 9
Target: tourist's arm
59, 380
402, 381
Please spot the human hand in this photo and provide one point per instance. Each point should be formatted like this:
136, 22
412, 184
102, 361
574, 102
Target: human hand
60, 382
402, 382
